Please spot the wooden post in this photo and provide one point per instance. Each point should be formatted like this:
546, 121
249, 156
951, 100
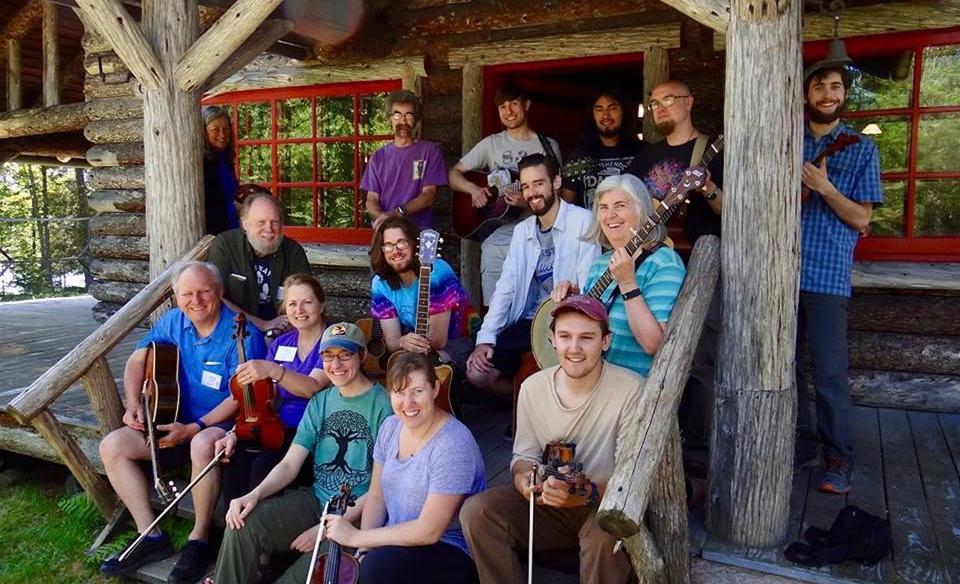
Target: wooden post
51, 61
471, 133
14, 96
656, 70
103, 394
751, 451
95, 485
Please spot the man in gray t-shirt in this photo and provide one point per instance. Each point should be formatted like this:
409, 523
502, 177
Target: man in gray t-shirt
501, 150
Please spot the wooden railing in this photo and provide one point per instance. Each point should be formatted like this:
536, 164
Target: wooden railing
87, 362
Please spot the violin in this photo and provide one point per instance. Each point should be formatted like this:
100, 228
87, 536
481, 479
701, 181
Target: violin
257, 418
562, 454
335, 566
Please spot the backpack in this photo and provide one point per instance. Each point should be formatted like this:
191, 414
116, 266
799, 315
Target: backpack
855, 535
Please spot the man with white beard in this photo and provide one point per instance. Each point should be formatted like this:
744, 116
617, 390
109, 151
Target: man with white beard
255, 259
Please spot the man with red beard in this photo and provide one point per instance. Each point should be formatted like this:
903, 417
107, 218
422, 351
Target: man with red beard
255, 259
843, 189
401, 178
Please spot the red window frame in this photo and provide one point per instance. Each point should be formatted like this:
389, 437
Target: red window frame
908, 247
355, 235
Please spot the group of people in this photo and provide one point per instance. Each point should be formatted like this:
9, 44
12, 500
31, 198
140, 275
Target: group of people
416, 470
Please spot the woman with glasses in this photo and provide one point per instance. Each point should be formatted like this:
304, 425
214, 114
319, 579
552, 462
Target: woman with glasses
426, 464
393, 297
339, 429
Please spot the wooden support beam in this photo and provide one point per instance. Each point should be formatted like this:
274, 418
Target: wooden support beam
667, 516
19, 25
751, 452
45, 120
34, 400
97, 488
116, 154
115, 24
51, 60
104, 397
50, 145
267, 34
713, 14
656, 70
14, 76
471, 132
216, 45
629, 489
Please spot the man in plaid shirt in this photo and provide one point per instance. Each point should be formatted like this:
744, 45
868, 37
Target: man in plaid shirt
842, 191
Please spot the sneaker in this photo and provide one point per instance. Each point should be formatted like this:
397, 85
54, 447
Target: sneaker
151, 549
836, 474
189, 567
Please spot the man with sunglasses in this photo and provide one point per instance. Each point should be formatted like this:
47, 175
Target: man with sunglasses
401, 179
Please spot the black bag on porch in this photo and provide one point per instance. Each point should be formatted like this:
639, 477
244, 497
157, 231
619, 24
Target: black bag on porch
855, 535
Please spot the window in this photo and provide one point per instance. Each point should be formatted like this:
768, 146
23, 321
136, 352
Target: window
906, 98
309, 146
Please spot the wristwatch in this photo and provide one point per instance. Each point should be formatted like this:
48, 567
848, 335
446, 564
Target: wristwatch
712, 194
631, 294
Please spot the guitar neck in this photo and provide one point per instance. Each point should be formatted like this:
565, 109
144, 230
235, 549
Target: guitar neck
423, 301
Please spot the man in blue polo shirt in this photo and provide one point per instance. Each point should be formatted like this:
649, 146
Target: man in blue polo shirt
842, 190
201, 327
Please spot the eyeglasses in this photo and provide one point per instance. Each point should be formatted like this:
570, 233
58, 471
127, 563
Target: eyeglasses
401, 245
397, 116
667, 101
339, 357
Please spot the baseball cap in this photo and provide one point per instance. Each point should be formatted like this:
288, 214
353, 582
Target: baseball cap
344, 335
584, 304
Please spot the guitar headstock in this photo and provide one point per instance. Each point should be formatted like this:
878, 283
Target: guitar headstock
693, 178
429, 242
240, 327
340, 503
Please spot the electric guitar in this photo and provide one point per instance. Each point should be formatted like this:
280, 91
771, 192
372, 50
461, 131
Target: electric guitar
160, 401
427, 253
693, 178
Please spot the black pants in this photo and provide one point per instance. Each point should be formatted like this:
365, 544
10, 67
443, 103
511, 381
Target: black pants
249, 466
440, 563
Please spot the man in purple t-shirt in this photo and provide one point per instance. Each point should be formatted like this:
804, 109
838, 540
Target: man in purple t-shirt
401, 178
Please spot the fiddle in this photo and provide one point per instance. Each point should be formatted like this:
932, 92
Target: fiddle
335, 566
257, 418
562, 454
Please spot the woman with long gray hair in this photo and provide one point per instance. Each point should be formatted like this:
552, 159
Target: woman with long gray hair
219, 176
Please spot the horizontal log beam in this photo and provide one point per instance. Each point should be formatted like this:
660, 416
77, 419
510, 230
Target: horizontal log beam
910, 391
136, 271
909, 313
119, 292
584, 44
27, 441
55, 380
119, 247
115, 108
116, 178
130, 154
903, 352
115, 131
118, 224
42, 120
117, 201
713, 14
907, 275
115, 24
50, 145
111, 85
216, 45
267, 34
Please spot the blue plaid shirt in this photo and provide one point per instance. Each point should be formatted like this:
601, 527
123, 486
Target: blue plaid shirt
826, 258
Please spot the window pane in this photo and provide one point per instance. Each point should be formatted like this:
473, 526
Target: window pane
254, 121
296, 118
255, 164
338, 207
940, 84
892, 136
938, 208
887, 219
297, 206
882, 81
335, 162
373, 115
335, 116
295, 162
938, 148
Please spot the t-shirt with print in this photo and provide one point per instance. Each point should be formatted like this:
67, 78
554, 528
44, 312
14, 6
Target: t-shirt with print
589, 165
501, 151
290, 407
596, 425
542, 282
450, 463
446, 294
265, 309
340, 432
659, 278
661, 165
398, 175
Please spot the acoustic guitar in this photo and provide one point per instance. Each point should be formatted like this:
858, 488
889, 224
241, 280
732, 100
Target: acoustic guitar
693, 178
375, 363
160, 400
429, 242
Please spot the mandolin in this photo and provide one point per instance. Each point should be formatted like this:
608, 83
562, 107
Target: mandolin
160, 399
257, 418
842, 142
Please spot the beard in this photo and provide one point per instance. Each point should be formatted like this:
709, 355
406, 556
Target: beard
263, 248
548, 202
609, 131
666, 127
406, 266
403, 129
820, 117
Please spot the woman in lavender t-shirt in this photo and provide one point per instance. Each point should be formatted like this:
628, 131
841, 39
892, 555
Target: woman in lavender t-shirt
425, 464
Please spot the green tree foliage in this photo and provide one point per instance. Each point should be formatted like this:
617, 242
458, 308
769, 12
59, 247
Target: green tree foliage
42, 230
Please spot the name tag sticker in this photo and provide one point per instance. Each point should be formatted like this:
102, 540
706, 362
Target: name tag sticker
211, 380
285, 354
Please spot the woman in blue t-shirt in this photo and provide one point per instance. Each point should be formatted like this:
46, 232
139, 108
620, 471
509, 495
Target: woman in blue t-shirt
425, 464
294, 362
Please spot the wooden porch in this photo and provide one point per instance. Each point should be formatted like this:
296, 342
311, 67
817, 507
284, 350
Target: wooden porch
907, 461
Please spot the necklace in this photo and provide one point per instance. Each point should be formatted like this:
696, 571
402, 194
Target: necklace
424, 438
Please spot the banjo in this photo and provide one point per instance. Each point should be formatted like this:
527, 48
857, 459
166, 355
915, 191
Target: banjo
693, 178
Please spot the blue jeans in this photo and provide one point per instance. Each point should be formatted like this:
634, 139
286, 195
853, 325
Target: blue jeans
822, 322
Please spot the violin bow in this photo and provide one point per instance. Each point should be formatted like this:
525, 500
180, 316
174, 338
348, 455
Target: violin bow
316, 544
533, 496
